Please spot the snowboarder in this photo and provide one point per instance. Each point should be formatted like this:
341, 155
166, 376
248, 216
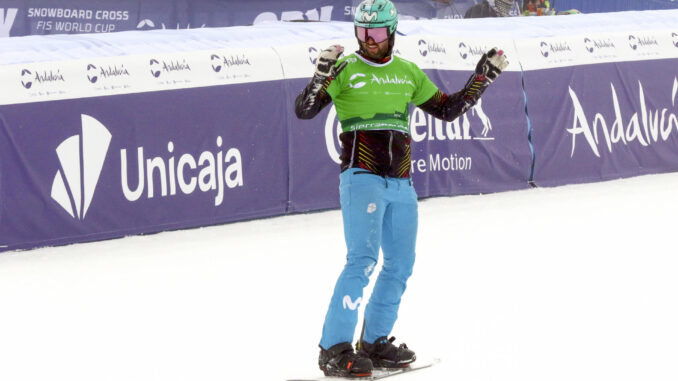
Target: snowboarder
378, 200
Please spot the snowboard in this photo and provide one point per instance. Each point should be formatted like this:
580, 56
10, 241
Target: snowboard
377, 373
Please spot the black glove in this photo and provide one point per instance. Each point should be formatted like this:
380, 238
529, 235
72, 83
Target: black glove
491, 64
488, 69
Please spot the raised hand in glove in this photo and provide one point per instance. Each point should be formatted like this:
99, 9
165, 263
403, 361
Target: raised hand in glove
314, 97
489, 67
491, 64
324, 66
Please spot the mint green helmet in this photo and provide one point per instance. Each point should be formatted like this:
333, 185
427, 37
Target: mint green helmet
376, 14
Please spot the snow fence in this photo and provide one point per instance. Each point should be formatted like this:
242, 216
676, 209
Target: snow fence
108, 135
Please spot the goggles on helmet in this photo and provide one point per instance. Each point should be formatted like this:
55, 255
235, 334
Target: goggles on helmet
377, 34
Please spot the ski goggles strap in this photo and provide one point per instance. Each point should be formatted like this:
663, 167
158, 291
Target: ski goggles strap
377, 34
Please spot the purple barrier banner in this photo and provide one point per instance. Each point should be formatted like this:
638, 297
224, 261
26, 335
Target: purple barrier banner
483, 151
95, 168
39, 17
603, 121
314, 175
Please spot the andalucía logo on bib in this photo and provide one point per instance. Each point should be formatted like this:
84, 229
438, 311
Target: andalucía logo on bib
75, 181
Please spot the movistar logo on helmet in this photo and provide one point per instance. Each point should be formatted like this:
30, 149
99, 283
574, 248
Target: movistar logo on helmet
369, 16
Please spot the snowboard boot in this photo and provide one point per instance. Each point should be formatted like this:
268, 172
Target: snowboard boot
341, 361
386, 355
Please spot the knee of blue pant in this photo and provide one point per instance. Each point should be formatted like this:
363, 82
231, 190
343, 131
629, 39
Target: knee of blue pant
361, 267
400, 268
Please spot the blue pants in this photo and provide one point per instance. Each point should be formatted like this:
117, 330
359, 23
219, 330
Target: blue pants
378, 212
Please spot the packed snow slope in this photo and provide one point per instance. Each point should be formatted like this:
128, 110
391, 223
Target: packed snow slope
570, 283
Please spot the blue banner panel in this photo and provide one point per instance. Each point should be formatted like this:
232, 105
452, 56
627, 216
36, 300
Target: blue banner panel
39, 17
485, 150
603, 121
94, 168
588, 6
314, 156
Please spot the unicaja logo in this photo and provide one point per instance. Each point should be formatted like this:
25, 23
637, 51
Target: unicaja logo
81, 159
26, 78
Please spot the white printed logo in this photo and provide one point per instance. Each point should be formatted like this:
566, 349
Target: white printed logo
368, 269
206, 171
359, 84
368, 17
149, 24
7, 20
74, 183
332, 128
422, 127
350, 304
646, 127
325, 14
371, 208
146, 23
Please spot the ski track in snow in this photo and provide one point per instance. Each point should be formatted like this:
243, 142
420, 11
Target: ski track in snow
570, 283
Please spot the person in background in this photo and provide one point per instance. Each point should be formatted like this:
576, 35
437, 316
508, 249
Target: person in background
536, 8
543, 8
490, 8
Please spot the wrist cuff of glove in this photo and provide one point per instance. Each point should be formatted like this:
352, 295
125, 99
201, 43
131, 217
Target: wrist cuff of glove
318, 85
475, 87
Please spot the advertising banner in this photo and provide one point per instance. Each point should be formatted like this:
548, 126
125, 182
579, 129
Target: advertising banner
587, 6
39, 17
594, 119
94, 145
108, 166
486, 149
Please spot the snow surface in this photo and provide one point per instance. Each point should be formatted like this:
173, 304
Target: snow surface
570, 283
